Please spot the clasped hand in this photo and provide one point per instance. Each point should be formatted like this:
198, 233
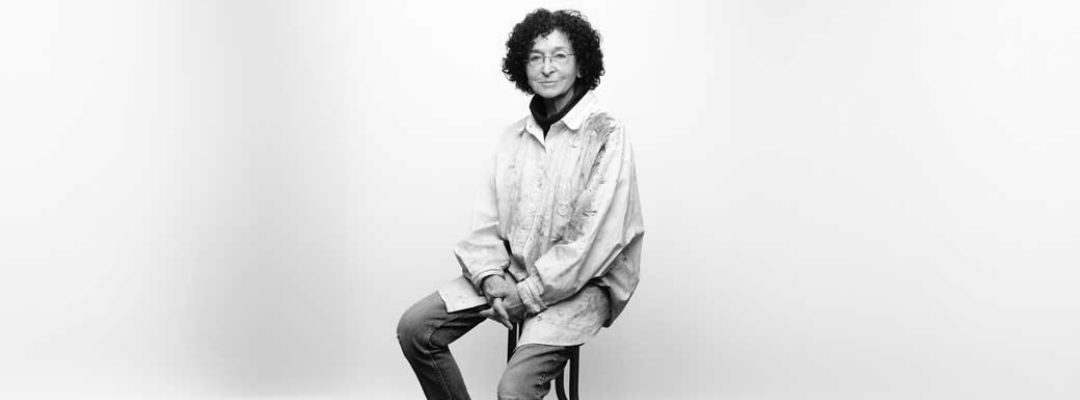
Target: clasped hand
502, 295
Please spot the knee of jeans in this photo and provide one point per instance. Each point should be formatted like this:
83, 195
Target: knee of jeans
509, 391
409, 331
512, 386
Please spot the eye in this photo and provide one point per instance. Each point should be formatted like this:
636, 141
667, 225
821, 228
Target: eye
536, 58
560, 57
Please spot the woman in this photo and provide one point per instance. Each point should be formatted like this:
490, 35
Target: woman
557, 230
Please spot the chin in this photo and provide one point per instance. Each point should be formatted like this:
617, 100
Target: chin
550, 93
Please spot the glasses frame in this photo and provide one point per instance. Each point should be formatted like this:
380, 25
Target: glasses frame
544, 59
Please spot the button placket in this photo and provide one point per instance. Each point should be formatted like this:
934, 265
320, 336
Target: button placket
541, 172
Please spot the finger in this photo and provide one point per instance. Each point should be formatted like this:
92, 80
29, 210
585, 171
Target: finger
504, 318
492, 315
500, 307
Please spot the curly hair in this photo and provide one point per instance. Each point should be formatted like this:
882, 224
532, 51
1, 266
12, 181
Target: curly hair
540, 23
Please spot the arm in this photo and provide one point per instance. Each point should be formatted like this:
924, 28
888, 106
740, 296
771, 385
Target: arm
482, 253
605, 220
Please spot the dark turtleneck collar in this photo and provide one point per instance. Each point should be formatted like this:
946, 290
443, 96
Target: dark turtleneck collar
538, 109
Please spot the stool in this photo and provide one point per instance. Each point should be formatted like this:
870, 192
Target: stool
511, 343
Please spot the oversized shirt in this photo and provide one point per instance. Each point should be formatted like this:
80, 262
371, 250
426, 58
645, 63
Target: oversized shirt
561, 216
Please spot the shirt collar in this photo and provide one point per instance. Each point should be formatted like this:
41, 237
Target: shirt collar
581, 110
573, 119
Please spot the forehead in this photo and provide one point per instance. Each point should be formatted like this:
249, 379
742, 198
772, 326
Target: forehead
556, 40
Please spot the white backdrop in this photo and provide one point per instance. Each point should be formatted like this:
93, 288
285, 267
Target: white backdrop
843, 200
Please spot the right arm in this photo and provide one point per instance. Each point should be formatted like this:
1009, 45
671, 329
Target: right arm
482, 253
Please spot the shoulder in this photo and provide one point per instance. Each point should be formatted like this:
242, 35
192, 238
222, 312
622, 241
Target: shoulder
599, 121
603, 126
517, 127
511, 133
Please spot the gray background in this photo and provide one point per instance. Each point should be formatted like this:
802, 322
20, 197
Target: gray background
843, 200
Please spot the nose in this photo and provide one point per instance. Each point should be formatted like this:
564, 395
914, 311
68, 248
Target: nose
548, 67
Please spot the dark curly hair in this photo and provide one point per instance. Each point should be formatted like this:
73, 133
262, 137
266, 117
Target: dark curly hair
539, 23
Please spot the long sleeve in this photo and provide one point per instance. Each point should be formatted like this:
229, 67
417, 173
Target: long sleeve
606, 218
482, 252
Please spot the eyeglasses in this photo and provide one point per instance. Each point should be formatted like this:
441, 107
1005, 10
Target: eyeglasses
559, 58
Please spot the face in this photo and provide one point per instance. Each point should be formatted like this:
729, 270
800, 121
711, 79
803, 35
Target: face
553, 77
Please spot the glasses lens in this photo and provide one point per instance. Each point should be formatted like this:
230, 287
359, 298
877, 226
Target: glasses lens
536, 60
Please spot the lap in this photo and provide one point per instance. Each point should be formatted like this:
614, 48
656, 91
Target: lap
427, 327
539, 357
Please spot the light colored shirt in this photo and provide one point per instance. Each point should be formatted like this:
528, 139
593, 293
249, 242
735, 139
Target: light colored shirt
562, 217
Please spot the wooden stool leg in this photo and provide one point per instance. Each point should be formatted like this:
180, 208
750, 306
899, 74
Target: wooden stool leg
559, 391
575, 364
560, 382
511, 342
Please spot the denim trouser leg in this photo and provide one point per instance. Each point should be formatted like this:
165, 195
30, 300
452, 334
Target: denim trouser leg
530, 371
425, 332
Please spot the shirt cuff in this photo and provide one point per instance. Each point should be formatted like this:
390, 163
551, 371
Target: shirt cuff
478, 278
530, 290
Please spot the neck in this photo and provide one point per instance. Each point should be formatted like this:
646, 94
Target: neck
556, 104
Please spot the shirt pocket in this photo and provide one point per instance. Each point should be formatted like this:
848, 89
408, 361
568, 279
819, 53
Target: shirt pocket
561, 209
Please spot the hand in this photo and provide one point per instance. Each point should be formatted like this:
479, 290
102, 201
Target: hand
515, 308
500, 291
497, 286
497, 313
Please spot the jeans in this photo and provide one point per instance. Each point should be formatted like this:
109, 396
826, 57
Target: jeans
425, 332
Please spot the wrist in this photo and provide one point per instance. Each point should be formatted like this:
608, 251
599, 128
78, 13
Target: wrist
514, 305
529, 291
489, 280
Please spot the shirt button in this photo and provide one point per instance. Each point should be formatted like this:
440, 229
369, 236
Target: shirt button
564, 210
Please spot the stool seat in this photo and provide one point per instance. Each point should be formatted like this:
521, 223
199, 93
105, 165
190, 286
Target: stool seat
511, 344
